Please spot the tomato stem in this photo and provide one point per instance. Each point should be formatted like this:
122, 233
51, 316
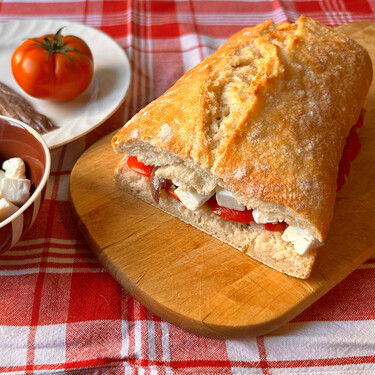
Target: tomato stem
56, 45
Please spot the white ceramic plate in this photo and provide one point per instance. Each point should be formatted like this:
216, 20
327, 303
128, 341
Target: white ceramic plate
101, 99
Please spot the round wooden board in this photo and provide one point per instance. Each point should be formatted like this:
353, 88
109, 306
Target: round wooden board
199, 283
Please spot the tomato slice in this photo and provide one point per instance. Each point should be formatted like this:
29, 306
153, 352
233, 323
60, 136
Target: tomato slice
230, 214
170, 188
277, 227
353, 145
137, 166
244, 217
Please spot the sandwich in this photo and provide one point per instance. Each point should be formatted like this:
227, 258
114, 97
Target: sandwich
248, 145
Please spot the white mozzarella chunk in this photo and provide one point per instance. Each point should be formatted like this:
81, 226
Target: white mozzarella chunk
302, 240
225, 198
6, 209
259, 218
191, 199
2, 176
16, 190
14, 168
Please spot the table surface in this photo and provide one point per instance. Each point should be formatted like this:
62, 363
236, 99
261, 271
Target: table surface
61, 311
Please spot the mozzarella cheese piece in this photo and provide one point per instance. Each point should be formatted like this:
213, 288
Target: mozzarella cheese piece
14, 168
14, 187
226, 199
6, 209
302, 240
16, 190
191, 199
259, 218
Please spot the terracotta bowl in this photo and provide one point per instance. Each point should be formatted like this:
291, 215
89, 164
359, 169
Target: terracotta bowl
20, 140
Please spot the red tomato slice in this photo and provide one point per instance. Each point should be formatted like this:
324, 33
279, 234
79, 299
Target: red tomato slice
277, 227
137, 166
353, 145
169, 188
230, 214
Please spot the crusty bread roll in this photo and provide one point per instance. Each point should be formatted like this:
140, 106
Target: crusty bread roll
265, 117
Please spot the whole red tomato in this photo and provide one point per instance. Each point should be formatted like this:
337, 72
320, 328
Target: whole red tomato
53, 66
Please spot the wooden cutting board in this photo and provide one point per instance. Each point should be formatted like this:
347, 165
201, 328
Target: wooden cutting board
199, 283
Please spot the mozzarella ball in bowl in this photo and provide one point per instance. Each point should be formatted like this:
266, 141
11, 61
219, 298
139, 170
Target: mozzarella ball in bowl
25, 164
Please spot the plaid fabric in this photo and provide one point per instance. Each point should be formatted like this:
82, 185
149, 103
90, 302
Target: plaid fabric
60, 311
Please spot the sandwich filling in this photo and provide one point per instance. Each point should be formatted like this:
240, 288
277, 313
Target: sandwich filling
224, 204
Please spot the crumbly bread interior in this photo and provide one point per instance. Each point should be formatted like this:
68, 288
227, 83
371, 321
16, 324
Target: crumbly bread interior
252, 239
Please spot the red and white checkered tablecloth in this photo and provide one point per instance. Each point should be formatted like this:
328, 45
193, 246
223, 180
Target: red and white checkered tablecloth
61, 312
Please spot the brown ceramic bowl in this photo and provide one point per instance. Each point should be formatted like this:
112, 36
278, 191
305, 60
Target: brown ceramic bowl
20, 140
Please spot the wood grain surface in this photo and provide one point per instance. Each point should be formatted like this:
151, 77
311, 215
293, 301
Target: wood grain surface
199, 283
